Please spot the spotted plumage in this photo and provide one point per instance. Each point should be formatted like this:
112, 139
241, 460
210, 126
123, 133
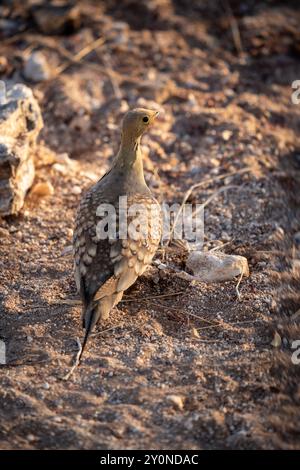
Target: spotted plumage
107, 264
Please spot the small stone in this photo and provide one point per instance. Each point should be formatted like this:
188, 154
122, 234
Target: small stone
4, 233
3, 64
276, 342
64, 159
80, 123
177, 401
42, 189
46, 386
55, 18
57, 419
60, 168
76, 190
297, 238
29, 339
226, 135
20, 123
36, 68
3, 99
195, 333
30, 437
296, 264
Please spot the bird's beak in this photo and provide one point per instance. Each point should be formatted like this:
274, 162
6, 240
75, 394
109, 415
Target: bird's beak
154, 115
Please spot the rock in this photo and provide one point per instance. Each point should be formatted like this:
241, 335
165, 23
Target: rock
177, 401
226, 135
296, 264
57, 19
297, 238
60, 168
4, 233
76, 190
20, 124
2, 352
3, 64
42, 189
216, 266
2, 93
80, 123
36, 68
276, 342
195, 333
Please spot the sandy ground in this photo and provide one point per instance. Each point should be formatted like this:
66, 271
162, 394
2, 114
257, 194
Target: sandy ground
224, 112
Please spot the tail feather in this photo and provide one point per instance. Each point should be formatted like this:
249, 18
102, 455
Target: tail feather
90, 317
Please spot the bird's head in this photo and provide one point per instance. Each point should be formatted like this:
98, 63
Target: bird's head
137, 121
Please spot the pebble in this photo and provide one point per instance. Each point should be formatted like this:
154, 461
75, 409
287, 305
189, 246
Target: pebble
276, 342
177, 401
42, 189
3, 64
4, 233
60, 168
76, 190
226, 135
46, 386
297, 238
36, 68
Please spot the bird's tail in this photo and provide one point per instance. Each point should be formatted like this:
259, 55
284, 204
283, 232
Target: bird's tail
90, 317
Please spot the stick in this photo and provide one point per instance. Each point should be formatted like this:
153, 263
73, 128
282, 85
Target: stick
234, 28
81, 54
237, 286
76, 363
196, 186
132, 299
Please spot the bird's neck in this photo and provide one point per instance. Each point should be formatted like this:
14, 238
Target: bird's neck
129, 159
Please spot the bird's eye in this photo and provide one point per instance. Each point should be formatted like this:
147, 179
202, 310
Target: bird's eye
145, 119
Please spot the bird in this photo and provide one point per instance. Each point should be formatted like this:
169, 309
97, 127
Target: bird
113, 246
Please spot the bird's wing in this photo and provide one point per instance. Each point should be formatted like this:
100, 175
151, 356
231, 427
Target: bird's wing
109, 266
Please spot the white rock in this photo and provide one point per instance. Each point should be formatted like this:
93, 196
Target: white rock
36, 68
2, 93
60, 168
297, 238
76, 190
20, 123
177, 401
216, 266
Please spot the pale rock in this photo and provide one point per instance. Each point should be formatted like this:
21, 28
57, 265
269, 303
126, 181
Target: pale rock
76, 190
2, 93
59, 168
226, 135
4, 233
20, 124
195, 333
177, 401
36, 68
276, 342
216, 266
297, 238
42, 189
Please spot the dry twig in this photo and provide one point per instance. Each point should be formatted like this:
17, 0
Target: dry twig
196, 186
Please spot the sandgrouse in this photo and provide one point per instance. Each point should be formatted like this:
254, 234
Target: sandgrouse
111, 250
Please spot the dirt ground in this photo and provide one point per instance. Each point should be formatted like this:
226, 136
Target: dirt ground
227, 106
